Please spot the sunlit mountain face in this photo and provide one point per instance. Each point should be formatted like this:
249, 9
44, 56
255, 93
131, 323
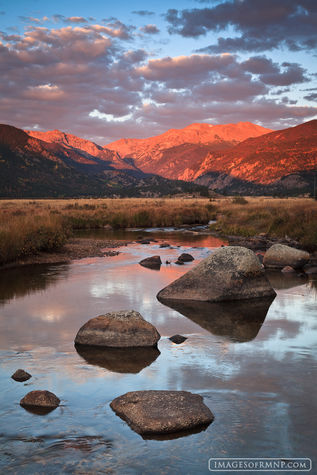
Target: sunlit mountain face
219, 157
105, 72
179, 153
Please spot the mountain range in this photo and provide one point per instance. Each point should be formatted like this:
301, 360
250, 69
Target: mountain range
242, 158
63, 165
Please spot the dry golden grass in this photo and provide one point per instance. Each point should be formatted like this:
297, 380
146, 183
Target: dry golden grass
294, 217
27, 227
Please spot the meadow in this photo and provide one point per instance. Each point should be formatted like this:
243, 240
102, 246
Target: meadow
31, 226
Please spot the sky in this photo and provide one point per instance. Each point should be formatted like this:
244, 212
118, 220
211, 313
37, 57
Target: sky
105, 70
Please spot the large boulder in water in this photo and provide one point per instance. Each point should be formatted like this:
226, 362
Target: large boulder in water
120, 329
279, 256
162, 412
230, 273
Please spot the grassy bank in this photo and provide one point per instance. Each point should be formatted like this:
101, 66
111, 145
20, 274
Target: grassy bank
293, 217
28, 227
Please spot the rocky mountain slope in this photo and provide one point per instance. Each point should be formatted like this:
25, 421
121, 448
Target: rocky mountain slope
30, 167
178, 153
284, 159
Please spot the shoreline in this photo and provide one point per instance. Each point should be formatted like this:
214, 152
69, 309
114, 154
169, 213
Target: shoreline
75, 248
81, 248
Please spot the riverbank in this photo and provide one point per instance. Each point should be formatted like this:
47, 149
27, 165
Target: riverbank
291, 221
76, 248
30, 228
41, 230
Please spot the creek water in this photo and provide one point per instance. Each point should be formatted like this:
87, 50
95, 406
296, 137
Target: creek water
254, 365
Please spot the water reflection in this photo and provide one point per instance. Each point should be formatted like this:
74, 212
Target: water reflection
236, 321
283, 281
119, 360
19, 282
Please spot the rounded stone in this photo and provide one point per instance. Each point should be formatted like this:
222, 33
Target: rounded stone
288, 270
40, 399
186, 257
178, 339
152, 262
162, 412
122, 329
20, 375
229, 273
279, 256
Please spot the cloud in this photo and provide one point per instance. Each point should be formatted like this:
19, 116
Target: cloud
150, 29
143, 12
181, 70
262, 25
44, 92
271, 73
83, 79
311, 97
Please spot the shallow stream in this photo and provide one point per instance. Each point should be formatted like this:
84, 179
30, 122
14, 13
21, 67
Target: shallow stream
255, 367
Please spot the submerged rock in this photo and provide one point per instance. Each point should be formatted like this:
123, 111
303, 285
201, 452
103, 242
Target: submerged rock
153, 262
21, 375
186, 257
125, 328
144, 241
230, 273
119, 360
162, 412
288, 270
178, 339
44, 400
165, 244
279, 256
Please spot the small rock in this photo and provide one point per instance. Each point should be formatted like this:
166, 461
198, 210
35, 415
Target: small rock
178, 339
311, 270
288, 270
122, 329
108, 227
144, 241
162, 412
179, 263
279, 256
40, 399
185, 257
21, 375
164, 244
167, 262
153, 262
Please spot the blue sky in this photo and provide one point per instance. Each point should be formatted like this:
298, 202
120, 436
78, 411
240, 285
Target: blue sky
105, 70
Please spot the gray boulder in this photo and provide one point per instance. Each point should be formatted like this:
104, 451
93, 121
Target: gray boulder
162, 412
230, 273
279, 256
122, 329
